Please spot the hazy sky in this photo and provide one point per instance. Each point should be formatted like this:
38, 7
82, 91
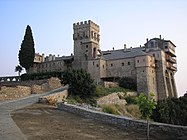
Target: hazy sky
121, 22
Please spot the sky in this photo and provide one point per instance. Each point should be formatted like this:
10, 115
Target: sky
121, 22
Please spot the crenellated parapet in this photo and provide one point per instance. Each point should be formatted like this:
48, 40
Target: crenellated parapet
86, 30
85, 24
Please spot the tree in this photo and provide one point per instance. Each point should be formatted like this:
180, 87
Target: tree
80, 84
146, 106
27, 51
18, 69
171, 110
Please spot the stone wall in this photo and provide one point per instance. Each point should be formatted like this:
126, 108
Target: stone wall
55, 97
8, 93
110, 84
17, 90
175, 130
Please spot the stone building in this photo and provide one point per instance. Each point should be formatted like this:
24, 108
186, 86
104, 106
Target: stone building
152, 65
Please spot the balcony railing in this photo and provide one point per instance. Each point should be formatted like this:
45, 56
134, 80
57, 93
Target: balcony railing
171, 67
170, 51
171, 59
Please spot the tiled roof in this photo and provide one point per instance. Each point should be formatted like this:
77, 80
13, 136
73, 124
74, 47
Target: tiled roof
119, 54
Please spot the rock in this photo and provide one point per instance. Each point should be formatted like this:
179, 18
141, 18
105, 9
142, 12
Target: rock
36, 89
111, 99
54, 83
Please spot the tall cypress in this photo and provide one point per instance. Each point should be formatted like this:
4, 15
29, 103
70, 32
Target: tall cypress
27, 50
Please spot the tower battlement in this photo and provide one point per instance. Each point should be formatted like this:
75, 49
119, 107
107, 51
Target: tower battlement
85, 24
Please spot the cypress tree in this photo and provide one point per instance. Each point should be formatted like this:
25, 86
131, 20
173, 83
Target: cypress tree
27, 51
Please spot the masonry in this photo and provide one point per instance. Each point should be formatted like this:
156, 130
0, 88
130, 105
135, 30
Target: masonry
152, 65
175, 130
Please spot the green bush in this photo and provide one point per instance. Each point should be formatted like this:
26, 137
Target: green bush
172, 111
40, 76
128, 83
131, 99
80, 84
111, 109
102, 91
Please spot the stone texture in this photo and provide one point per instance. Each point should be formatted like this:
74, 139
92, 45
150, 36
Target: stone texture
178, 131
54, 98
36, 89
111, 99
54, 83
14, 92
110, 84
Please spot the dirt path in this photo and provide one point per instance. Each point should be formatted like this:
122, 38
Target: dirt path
39, 122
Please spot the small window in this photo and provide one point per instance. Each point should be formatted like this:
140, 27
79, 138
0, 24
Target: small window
138, 61
129, 63
86, 50
97, 65
166, 47
86, 46
143, 70
93, 63
153, 55
122, 64
111, 65
103, 66
152, 44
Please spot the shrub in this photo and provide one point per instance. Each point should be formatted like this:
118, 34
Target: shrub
172, 111
128, 83
131, 99
80, 84
111, 109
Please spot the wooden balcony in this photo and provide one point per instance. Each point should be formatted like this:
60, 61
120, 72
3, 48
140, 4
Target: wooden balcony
171, 67
171, 59
170, 52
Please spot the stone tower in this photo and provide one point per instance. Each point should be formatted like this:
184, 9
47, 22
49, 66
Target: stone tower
86, 43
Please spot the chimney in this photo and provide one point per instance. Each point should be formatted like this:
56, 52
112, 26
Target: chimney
125, 47
113, 48
147, 39
43, 57
160, 36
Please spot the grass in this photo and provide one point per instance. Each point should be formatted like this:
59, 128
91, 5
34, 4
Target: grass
111, 109
102, 91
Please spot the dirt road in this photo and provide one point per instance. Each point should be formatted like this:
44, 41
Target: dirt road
40, 122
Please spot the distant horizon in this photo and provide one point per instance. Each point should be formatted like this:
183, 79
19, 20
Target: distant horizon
124, 22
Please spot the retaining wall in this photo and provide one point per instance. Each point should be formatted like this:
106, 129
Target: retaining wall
176, 130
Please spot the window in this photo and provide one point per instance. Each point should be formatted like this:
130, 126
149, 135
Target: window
152, 44
129, 63
103, 66
138, 61
93, 63
153, 55
122, 64
111, 65
97, 65
86, 46
86, 50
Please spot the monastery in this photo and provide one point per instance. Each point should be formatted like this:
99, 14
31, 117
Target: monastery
152, 65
